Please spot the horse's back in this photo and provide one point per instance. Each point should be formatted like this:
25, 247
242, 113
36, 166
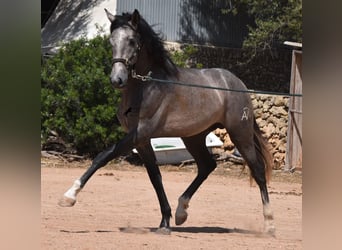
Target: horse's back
225, 85
212, 77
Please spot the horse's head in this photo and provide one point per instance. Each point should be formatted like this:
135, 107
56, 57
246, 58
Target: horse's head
125, 42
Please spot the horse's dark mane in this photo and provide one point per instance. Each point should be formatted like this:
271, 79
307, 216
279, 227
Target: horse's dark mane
151, 40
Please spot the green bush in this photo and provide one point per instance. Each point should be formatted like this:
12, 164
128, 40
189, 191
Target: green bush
182, 58
77, 99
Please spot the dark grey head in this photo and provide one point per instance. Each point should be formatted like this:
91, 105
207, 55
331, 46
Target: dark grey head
125, 42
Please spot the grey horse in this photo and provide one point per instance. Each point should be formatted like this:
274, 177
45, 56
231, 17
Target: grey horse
153, 109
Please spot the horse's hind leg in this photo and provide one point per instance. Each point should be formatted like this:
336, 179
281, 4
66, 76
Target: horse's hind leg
205, 164
147, 155
253, 151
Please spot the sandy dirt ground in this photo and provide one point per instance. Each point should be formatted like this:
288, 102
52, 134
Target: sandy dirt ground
118, 209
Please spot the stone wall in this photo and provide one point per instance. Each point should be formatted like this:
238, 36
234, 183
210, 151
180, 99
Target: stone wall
271, 113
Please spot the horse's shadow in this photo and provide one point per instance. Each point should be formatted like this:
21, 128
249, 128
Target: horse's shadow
207, 230
217, 230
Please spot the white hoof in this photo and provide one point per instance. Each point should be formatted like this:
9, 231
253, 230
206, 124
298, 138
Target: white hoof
66, 202
270, 230
69, 197
269, 227
181, 214
163, 231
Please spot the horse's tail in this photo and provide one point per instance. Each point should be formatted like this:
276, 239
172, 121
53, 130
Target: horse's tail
263, 151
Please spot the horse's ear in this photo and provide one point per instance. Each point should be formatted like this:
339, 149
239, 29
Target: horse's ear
110, 16
135, 18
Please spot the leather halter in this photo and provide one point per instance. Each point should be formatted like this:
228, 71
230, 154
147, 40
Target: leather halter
122, 60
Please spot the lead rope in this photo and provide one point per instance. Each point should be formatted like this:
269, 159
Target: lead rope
142, 78
148, 77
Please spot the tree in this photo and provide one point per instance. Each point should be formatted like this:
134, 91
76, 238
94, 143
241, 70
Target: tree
275, 22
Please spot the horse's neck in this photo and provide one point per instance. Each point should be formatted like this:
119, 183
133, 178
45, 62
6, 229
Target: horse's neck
144, 63
129, 108
131, 96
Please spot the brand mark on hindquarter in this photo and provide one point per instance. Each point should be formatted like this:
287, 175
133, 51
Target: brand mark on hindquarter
245, 113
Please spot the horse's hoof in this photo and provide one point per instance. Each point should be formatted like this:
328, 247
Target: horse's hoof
269, 228
181, 214
180, 218
66, 202
270, 231
163, 231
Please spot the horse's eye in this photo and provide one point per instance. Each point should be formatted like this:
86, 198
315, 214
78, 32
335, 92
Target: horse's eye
111, 40
131, 42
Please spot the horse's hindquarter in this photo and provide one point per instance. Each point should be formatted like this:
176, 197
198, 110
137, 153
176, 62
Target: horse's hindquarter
213, 102
174, 110
237, 103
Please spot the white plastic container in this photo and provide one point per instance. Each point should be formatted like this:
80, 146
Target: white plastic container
171, 150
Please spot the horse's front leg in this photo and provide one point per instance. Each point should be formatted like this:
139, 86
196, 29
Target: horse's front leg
147, 155
121, 148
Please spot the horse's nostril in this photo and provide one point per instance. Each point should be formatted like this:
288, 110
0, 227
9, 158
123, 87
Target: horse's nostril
119, 81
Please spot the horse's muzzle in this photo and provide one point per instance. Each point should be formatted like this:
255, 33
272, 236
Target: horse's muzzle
119, 76
118, 83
